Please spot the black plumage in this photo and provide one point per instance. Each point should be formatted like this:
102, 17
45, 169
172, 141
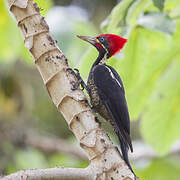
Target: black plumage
106, 90
112, 95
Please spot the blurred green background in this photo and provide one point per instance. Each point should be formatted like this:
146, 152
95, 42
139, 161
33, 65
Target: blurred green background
31, 129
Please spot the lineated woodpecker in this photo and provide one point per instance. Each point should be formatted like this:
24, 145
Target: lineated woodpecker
106, 90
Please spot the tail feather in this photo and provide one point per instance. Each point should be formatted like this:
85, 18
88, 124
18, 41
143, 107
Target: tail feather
124, 150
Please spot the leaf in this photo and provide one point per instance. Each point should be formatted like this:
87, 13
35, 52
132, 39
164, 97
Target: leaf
159, 4
161, 120
173, 8
160, 169
175, 13
171, 5
117, 15
134, 11
158, 22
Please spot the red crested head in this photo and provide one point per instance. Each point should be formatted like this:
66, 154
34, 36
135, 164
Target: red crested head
110, 43
115, 42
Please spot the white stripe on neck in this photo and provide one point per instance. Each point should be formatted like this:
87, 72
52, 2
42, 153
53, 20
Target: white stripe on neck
104, 59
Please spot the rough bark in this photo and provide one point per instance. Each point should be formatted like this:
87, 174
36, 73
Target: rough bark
105, 159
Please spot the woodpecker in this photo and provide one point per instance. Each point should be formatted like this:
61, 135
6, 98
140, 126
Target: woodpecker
106, 90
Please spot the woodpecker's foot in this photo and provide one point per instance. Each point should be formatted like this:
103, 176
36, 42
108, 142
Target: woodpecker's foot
80, 81
76, 73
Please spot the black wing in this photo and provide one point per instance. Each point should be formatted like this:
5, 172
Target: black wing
111, 91
112, 94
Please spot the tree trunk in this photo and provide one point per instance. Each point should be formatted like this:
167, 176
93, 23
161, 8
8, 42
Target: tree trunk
105, 159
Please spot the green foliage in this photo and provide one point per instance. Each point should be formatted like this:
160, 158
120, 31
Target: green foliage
149, 67
162, 116
75, 46
160, 170
30, 158
162, 22
65, 160
134, 11
123, 16
159, 4
117, 15
173, 8
88, 60
27, 159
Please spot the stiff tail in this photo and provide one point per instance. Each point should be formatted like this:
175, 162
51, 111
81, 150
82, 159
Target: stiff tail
124, 150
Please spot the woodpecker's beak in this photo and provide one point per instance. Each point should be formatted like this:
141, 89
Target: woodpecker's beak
92, 40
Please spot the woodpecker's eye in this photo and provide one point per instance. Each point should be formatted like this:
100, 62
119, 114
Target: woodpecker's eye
101, 39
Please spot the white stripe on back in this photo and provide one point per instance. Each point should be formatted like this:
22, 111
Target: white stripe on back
112, 75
